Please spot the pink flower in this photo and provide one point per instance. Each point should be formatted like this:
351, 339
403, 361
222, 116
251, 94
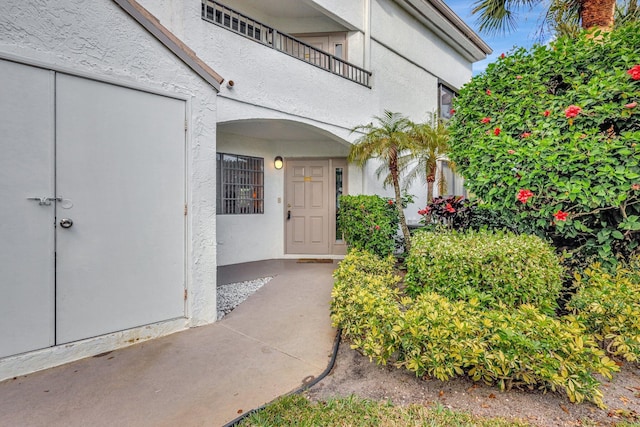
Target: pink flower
377, 227
631, 105
518, 77
488, 92
486, 120
496, 131
526, 134
511, 152
524, 195
561, 216
634, 72
635, 187
449, 208
452, 111
390, 202
546, 113
424, 211
572, 111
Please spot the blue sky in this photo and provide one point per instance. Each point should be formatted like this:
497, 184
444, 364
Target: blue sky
526, 34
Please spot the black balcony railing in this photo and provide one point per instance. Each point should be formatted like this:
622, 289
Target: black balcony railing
230, 19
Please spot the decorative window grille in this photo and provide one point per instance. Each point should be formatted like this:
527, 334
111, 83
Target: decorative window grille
240, 184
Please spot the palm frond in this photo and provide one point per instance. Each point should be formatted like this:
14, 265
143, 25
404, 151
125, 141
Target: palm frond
499, 16
382, 139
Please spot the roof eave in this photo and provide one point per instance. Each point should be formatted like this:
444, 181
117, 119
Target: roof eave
171, 42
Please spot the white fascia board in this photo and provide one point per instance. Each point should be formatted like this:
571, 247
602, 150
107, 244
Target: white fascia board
448, 26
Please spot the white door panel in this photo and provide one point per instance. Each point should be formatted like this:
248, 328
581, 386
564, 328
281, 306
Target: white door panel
120, 168
26, 227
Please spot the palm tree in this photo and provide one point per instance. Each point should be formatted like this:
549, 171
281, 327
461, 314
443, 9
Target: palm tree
563, 16
384, 140
430, 143
497, 16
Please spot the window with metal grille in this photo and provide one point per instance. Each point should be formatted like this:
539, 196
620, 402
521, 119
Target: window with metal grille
240, 184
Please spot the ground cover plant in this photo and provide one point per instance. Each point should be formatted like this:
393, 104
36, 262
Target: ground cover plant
552, 136
351, 411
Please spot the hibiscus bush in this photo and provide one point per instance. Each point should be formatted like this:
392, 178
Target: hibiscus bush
551, 136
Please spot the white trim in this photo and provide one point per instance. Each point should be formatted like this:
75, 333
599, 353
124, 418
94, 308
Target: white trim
50, 357
170, 41
90, 76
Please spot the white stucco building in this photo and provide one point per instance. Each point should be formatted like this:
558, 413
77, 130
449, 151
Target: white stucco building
131, 169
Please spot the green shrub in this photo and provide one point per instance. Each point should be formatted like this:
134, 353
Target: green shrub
364, 303
369, 223
484, 217
510, 347
551, 135
609, 307
431, 335
492, 267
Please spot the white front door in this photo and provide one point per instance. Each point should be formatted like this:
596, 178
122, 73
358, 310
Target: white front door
307, 225
115, 159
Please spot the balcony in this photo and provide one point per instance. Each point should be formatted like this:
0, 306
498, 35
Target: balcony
258, 32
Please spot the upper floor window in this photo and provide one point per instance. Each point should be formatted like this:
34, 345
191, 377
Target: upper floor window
446, 101
240, 184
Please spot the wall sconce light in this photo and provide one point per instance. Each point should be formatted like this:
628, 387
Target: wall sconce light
277, 162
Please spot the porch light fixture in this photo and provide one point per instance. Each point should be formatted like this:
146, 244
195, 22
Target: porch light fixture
277, 162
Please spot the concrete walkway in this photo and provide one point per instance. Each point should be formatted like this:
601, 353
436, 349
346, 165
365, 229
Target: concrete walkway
278, 339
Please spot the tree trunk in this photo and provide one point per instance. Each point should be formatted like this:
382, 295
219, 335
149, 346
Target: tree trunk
597, 13
393, 168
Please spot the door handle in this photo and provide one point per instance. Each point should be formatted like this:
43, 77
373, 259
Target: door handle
66, 223
45, 201
288, 215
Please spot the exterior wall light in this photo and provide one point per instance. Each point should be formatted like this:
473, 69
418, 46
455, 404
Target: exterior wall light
278, 163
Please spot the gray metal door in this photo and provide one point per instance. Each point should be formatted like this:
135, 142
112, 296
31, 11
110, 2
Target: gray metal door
92, 220
121, 173
26, 225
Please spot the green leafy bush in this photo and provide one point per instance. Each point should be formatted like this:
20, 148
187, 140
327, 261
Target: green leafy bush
492, 267
510, 347
369, 223
609, 307
364, 302
552, 136
483, 217
431, 335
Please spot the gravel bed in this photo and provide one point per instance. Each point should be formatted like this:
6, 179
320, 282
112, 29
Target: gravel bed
233, 294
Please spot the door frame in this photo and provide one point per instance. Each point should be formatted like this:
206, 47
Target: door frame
336, 246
